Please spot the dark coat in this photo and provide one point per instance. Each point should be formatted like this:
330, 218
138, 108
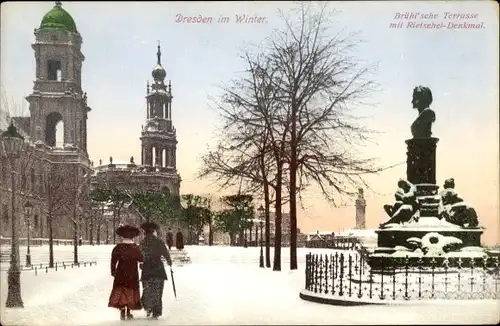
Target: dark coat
179, 241
153, 249
125, 292
170, 239
124, 260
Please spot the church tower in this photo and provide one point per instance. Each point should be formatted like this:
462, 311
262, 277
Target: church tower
158, 136
57, 92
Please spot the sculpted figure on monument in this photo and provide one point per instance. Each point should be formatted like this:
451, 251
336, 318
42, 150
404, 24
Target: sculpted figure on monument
405, 206
422, 99
455, 210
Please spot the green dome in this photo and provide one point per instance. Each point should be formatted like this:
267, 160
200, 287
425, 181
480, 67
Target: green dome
58, 18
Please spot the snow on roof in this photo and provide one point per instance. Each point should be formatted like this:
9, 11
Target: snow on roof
357, 233
321, 233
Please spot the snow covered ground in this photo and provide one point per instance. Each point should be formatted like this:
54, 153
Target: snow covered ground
221, 286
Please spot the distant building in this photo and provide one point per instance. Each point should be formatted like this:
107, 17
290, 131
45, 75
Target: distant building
319, 239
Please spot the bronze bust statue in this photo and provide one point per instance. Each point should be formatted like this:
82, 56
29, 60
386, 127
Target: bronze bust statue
422, 126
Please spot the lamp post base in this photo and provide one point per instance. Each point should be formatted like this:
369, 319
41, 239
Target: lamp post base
28, 260
261, 259
14, 299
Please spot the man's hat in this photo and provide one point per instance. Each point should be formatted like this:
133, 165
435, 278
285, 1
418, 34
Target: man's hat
128, 231
149, 227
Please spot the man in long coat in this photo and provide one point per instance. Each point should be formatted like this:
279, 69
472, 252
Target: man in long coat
124, 259
170, 238
153, 271
179, 240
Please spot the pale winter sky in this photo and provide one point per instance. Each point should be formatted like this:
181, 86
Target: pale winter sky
460, 67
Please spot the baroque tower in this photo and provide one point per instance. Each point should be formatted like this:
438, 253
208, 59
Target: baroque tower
57, 92
158, 136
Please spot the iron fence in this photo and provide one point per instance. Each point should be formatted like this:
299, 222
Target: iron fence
347, 275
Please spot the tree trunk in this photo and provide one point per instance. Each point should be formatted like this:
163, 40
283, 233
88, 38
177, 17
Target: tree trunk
293, 191
51, 240
231, 239
107, 231
86, 229
98, 233
210, 233
114, 226
91, 239
268, 226
75, 242
277, 229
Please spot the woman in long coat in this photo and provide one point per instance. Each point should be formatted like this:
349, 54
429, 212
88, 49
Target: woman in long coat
125, 257
153, 272
170, 238
179, 240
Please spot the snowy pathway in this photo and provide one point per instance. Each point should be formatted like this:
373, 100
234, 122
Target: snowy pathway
214, 289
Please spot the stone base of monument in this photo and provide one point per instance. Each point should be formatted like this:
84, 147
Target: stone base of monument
401, 234
180, 257
426, 236
430, 241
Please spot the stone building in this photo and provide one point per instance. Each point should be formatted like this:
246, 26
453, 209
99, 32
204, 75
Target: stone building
158, 168
50, 174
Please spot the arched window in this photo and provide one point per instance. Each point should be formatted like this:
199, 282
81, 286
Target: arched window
54, 129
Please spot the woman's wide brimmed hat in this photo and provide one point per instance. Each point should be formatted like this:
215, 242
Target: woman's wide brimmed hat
128, 231
149, 227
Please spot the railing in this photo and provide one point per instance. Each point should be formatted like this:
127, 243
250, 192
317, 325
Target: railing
347, 243
39, 268
345, 276
4, 241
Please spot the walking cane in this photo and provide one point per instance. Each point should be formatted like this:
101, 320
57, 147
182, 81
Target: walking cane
173, 282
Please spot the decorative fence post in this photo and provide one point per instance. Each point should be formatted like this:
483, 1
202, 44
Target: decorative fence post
320, 279
350, 275
326, 274
407, 261
308, 265
433, 268
420, 262
394, 263
360, 294
341, 285
382, 264
316, 273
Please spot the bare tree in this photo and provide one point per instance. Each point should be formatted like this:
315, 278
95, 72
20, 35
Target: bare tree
322, 85
254, 146
59, 196
297, 101
80, 195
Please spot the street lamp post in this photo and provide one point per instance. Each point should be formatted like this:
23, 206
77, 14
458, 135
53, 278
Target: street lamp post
12, 145
28, 208
261, 222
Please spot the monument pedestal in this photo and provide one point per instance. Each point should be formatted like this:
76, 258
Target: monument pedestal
421, 160
426, 235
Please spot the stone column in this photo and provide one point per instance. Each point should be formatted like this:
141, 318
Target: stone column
360, 211
421, 160
37, 58
148, 159
158, 156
